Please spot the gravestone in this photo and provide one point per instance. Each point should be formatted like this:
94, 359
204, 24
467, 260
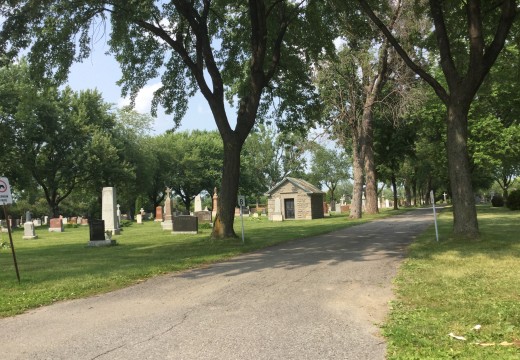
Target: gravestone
139, 219
13, 222
158, 214
277, 214
203, 216
37, 222
79, 220
65, 220
185, 224
333, 205
56, 225
326, 209
98, 234
109, 212
3, 226
28, 231
167, 224
84, 221
198, 203
45, 220
97, 230
73, 220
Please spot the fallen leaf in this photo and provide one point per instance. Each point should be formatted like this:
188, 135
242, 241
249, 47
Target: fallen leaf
486, 344
458, 337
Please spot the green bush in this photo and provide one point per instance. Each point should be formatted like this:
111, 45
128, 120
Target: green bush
205, 226
513, 200
497, 201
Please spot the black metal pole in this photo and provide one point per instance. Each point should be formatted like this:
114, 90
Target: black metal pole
11, 240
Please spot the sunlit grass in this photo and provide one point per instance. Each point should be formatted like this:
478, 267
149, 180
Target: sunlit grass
451, 286
59, 266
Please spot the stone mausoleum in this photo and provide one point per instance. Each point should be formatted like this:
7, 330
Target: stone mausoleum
295, 199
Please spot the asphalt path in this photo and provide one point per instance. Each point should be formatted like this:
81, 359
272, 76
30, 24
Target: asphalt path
315, 298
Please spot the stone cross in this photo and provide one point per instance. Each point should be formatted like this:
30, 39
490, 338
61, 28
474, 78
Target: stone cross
444, 194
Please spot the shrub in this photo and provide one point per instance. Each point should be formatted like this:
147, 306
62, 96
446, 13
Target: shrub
513, 200
497, 201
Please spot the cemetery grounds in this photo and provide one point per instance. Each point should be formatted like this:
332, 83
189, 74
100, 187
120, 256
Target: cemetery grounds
455, 299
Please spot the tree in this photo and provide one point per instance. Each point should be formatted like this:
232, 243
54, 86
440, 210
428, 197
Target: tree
225, 49
192, 162
54, 134
466, 55
329, 167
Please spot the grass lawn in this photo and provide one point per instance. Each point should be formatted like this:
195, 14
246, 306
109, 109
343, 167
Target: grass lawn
59, 266
454, 285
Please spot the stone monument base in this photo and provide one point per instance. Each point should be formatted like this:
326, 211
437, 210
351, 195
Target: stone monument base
277, 217
167, 225
98, 243
114, 231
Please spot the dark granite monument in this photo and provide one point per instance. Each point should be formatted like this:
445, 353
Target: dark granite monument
185, 224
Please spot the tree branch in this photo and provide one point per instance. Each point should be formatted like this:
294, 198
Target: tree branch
437, 87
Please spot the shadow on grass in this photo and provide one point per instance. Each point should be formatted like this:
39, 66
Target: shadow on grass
499, 229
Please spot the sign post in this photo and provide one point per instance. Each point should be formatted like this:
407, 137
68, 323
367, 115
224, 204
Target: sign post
432, 198
242, 203
6, 198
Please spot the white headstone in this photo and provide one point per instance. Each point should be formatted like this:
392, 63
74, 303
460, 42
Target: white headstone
198, 203
277, 214
109, 210
28, 230
139, 218
387, 203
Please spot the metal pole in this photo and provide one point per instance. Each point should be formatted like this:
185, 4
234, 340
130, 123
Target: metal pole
242, 218
11, 241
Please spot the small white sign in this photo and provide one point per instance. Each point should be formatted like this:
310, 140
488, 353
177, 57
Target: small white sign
241, 200
5, 191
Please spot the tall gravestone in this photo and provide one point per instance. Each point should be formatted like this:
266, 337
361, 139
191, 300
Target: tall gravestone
109, 210
167, 224
198, 203
214, 204
277, 214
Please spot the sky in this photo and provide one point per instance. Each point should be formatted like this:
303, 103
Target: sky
101, 72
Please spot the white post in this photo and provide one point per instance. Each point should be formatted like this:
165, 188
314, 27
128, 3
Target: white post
241, 203
432, 198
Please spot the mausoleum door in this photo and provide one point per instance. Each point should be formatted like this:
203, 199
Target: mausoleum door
289, 208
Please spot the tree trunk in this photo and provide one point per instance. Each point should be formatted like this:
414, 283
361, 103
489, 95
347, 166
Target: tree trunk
464, 210
394, 190
407, 193
227, 199
370, 166
357, 173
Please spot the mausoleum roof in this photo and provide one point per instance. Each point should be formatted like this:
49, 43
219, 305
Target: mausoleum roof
305, 186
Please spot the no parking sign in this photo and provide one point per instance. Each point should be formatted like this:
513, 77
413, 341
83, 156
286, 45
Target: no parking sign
5, 191
6, 198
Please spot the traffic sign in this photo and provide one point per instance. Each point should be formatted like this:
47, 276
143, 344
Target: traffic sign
5, 191
241, 200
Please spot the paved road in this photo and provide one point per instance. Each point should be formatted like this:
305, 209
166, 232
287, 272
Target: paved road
317, 298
